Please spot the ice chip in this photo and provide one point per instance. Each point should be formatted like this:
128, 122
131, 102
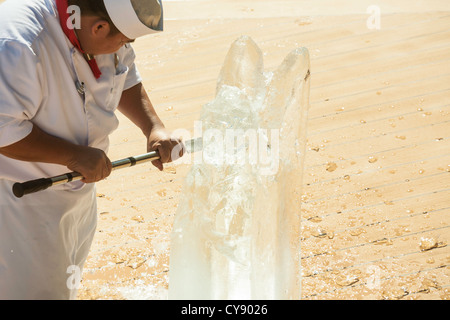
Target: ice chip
236, 233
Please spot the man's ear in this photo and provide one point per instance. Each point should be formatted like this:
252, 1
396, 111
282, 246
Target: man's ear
100, 29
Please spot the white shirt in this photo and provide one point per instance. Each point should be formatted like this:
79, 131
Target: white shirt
39, 74
45, 237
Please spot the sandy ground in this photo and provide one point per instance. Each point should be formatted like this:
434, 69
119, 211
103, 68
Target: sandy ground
376, 208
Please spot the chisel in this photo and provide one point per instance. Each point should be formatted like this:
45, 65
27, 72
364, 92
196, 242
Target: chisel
22, 188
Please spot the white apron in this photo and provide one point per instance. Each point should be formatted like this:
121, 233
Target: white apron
45, 237
45, 241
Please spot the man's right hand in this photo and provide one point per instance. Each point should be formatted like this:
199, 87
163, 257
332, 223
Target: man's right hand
91, 163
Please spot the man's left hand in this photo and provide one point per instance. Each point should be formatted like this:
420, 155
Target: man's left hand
170, 148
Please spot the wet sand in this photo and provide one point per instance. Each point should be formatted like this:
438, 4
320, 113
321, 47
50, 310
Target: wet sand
376, 208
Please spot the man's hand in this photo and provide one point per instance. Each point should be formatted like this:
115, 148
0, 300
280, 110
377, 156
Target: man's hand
169, 147
91, 163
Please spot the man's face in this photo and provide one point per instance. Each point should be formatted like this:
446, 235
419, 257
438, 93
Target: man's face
111, 44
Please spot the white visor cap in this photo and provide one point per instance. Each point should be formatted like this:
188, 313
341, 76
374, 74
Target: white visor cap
136, 18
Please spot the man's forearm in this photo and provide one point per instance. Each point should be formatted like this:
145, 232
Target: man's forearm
39, 146
136, 106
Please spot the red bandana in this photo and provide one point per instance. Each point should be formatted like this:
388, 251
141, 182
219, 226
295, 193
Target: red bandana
70, 33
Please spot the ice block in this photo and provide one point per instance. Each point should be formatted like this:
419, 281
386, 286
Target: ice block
236, 233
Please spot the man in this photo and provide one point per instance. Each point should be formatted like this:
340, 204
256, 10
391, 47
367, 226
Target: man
62, 77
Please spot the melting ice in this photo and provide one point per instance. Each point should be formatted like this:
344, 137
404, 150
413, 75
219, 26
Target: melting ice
236, 233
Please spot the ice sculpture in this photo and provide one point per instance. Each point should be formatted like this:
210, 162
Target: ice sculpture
236, 233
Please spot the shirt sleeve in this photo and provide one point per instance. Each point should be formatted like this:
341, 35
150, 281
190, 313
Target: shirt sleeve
133, 76
20, 91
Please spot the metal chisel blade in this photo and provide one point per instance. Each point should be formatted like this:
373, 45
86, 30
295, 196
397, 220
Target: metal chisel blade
194, 145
